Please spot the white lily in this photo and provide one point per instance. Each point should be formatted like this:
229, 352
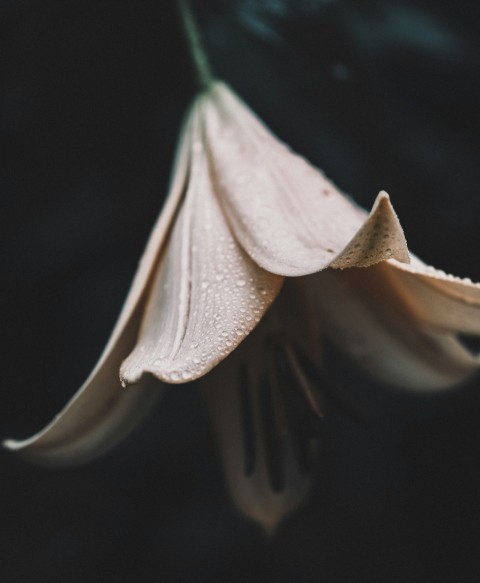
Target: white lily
243, 213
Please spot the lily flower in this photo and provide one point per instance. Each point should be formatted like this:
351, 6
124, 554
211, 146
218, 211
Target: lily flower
243, 214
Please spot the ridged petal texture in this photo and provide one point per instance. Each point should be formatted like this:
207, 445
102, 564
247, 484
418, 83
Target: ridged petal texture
208, 294
101, 413
214, 285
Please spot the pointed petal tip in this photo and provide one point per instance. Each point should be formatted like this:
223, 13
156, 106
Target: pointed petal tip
26, 450
383, 208
383, 195
269, 529
12, 444
383, 203
380, 238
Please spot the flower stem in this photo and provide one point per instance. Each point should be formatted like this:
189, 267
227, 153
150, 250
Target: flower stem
197, 52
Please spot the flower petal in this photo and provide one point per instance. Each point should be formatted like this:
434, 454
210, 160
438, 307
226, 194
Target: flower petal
268, 455
441, 300
98, 417
101, 413
287, 216
380, 238
208, 294
397, 327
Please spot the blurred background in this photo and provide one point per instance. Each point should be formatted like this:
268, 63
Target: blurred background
381, 94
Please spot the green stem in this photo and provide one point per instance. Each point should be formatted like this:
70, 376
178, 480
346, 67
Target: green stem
199, 57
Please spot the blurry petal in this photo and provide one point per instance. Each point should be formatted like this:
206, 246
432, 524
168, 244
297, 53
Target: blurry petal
288, 217
101, 413
208, 294
441, 300
268, 456
98, 417
398, 326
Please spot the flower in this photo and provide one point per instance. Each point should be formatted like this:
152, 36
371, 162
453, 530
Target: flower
244, 213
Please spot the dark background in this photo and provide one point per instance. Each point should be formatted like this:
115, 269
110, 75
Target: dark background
378, 93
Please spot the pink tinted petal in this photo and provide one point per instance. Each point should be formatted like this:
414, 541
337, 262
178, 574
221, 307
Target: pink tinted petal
208, 294
287, 216
386, 325
102, 413
438, 299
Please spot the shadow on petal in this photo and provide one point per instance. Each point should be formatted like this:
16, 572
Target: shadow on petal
261, 419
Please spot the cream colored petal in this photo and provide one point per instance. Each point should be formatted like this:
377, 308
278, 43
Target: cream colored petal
388, 326
269, 464
288, 217
98, 417
440, 300
380, 238
207, 296
102, 413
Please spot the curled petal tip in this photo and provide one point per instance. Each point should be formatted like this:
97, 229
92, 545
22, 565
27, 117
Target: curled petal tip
11, 444
380, 238
287, 216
